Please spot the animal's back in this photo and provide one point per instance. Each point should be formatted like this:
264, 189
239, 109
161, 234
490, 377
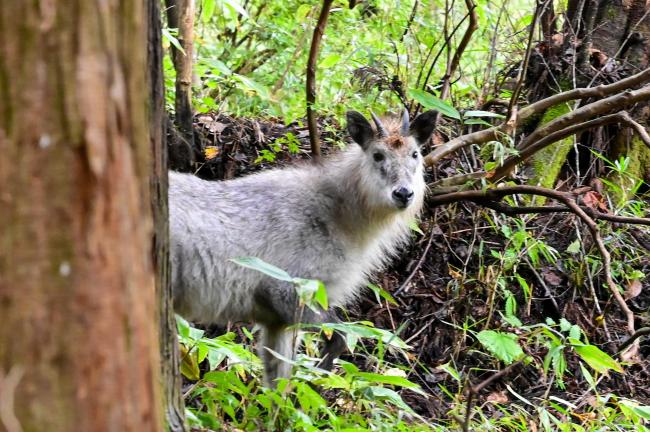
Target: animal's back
281, 216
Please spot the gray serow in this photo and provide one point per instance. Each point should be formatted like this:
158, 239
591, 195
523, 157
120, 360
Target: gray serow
337, 222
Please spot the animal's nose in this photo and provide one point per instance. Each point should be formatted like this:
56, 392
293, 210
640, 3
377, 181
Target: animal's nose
403, 196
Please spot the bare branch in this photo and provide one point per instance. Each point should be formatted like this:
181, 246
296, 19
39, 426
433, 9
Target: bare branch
579, 115
565, 198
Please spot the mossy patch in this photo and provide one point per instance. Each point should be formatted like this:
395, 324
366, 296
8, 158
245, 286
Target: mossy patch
548, 162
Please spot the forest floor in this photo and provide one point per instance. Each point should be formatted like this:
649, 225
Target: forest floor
444, 282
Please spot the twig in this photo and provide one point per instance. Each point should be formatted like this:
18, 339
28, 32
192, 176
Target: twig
639, 333
524, 63
573, 206
417, 266
474, 390
311, 78
410, 20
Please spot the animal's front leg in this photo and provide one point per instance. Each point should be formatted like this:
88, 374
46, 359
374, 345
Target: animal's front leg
278, 340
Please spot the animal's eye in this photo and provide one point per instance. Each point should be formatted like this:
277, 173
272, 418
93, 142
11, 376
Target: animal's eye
378, 157
415, 154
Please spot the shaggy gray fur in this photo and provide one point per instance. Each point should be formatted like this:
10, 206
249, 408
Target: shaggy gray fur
336, 222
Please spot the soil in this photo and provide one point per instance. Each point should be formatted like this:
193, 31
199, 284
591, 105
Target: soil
450, 285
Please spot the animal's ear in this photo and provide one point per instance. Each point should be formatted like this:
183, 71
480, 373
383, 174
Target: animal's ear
359, 128
422, 127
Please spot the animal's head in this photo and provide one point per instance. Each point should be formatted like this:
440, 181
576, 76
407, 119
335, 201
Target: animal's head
393, 166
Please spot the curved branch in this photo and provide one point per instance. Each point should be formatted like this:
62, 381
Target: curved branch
566, 121
573, 206
311, 78
583, 93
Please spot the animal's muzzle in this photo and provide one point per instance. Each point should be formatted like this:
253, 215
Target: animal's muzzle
403, 197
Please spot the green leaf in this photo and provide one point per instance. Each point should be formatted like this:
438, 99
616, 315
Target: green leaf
413, 225
183, 327
478, 113
253, 86
430, 102
387, 379
167, 34
447, 367
476, 121
373, 393
207, 10
330, 61
504, 346
382, 293
234, 4
264, 267
574, 247
596, 358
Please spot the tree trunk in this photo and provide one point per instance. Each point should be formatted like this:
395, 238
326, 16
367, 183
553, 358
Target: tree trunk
77, 287
602, 42
169, 353
180, 15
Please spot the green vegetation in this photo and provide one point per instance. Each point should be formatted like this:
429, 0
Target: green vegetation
529, 296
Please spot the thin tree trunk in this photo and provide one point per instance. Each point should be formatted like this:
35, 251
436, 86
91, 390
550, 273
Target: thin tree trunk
180, 14
77, 289
311, 78
169, 353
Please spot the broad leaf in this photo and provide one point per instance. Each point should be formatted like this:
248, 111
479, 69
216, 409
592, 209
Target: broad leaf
596, 358
503, 345
431, 102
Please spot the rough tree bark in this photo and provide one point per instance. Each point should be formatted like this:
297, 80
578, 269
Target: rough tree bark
77, 289
180, 15
169, 353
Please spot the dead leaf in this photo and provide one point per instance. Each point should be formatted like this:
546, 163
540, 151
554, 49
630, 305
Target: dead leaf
633, 289
551, 277
211, 152
498, 397
595, 201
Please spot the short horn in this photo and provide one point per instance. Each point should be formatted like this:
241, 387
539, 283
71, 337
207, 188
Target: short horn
404, 130
381, 130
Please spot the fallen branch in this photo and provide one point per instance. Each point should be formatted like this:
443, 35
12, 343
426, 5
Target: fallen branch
474, 390
566, 199
580, 115
509, 164
639, 333
513, 211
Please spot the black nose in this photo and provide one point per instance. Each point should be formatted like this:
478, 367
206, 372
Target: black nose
403, 196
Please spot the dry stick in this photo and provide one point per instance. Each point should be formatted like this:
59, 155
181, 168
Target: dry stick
524, 64
474, 390
410, 20
455, 61
493, 53
584, 113
511, 162
450, 183
640, 332
512, 210
311, 79
417, 266
573, 206
619, 117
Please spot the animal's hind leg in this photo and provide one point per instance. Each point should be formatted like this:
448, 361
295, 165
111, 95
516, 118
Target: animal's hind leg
281, 341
